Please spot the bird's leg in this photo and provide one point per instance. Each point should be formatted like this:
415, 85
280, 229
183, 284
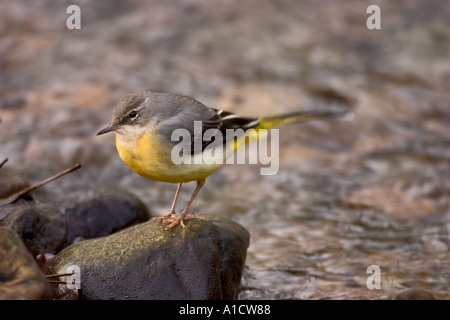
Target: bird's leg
183, 215
172, 214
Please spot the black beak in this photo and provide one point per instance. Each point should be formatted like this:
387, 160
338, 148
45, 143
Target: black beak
107, 129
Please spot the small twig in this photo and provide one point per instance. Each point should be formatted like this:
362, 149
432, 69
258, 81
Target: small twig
56, 282
59, 275
51, 280
18, 194
3, 162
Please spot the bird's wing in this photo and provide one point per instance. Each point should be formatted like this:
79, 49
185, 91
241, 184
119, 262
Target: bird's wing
198, 119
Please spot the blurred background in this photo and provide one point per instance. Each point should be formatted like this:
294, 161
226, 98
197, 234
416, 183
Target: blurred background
373, 191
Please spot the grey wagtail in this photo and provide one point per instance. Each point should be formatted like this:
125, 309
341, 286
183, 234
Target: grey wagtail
144, 123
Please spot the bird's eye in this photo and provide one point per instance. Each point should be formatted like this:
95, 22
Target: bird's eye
133, 114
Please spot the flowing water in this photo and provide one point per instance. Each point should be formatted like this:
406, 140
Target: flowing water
374, 191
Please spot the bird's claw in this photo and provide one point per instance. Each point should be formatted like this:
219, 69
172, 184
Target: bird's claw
163, 218
174, 219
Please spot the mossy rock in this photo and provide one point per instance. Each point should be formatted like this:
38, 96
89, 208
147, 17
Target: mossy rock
203, 261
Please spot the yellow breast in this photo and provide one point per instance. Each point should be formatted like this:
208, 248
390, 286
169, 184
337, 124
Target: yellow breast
144, 153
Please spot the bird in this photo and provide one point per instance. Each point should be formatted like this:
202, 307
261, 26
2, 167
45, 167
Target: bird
144, 123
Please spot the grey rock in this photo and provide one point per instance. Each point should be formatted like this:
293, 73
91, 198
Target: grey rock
98, 213
204, 261
20, 275
42, 227
414, 294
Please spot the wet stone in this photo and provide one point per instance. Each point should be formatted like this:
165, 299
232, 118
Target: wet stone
41, 226
20, 275
98, 213
204, 261
414, 294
